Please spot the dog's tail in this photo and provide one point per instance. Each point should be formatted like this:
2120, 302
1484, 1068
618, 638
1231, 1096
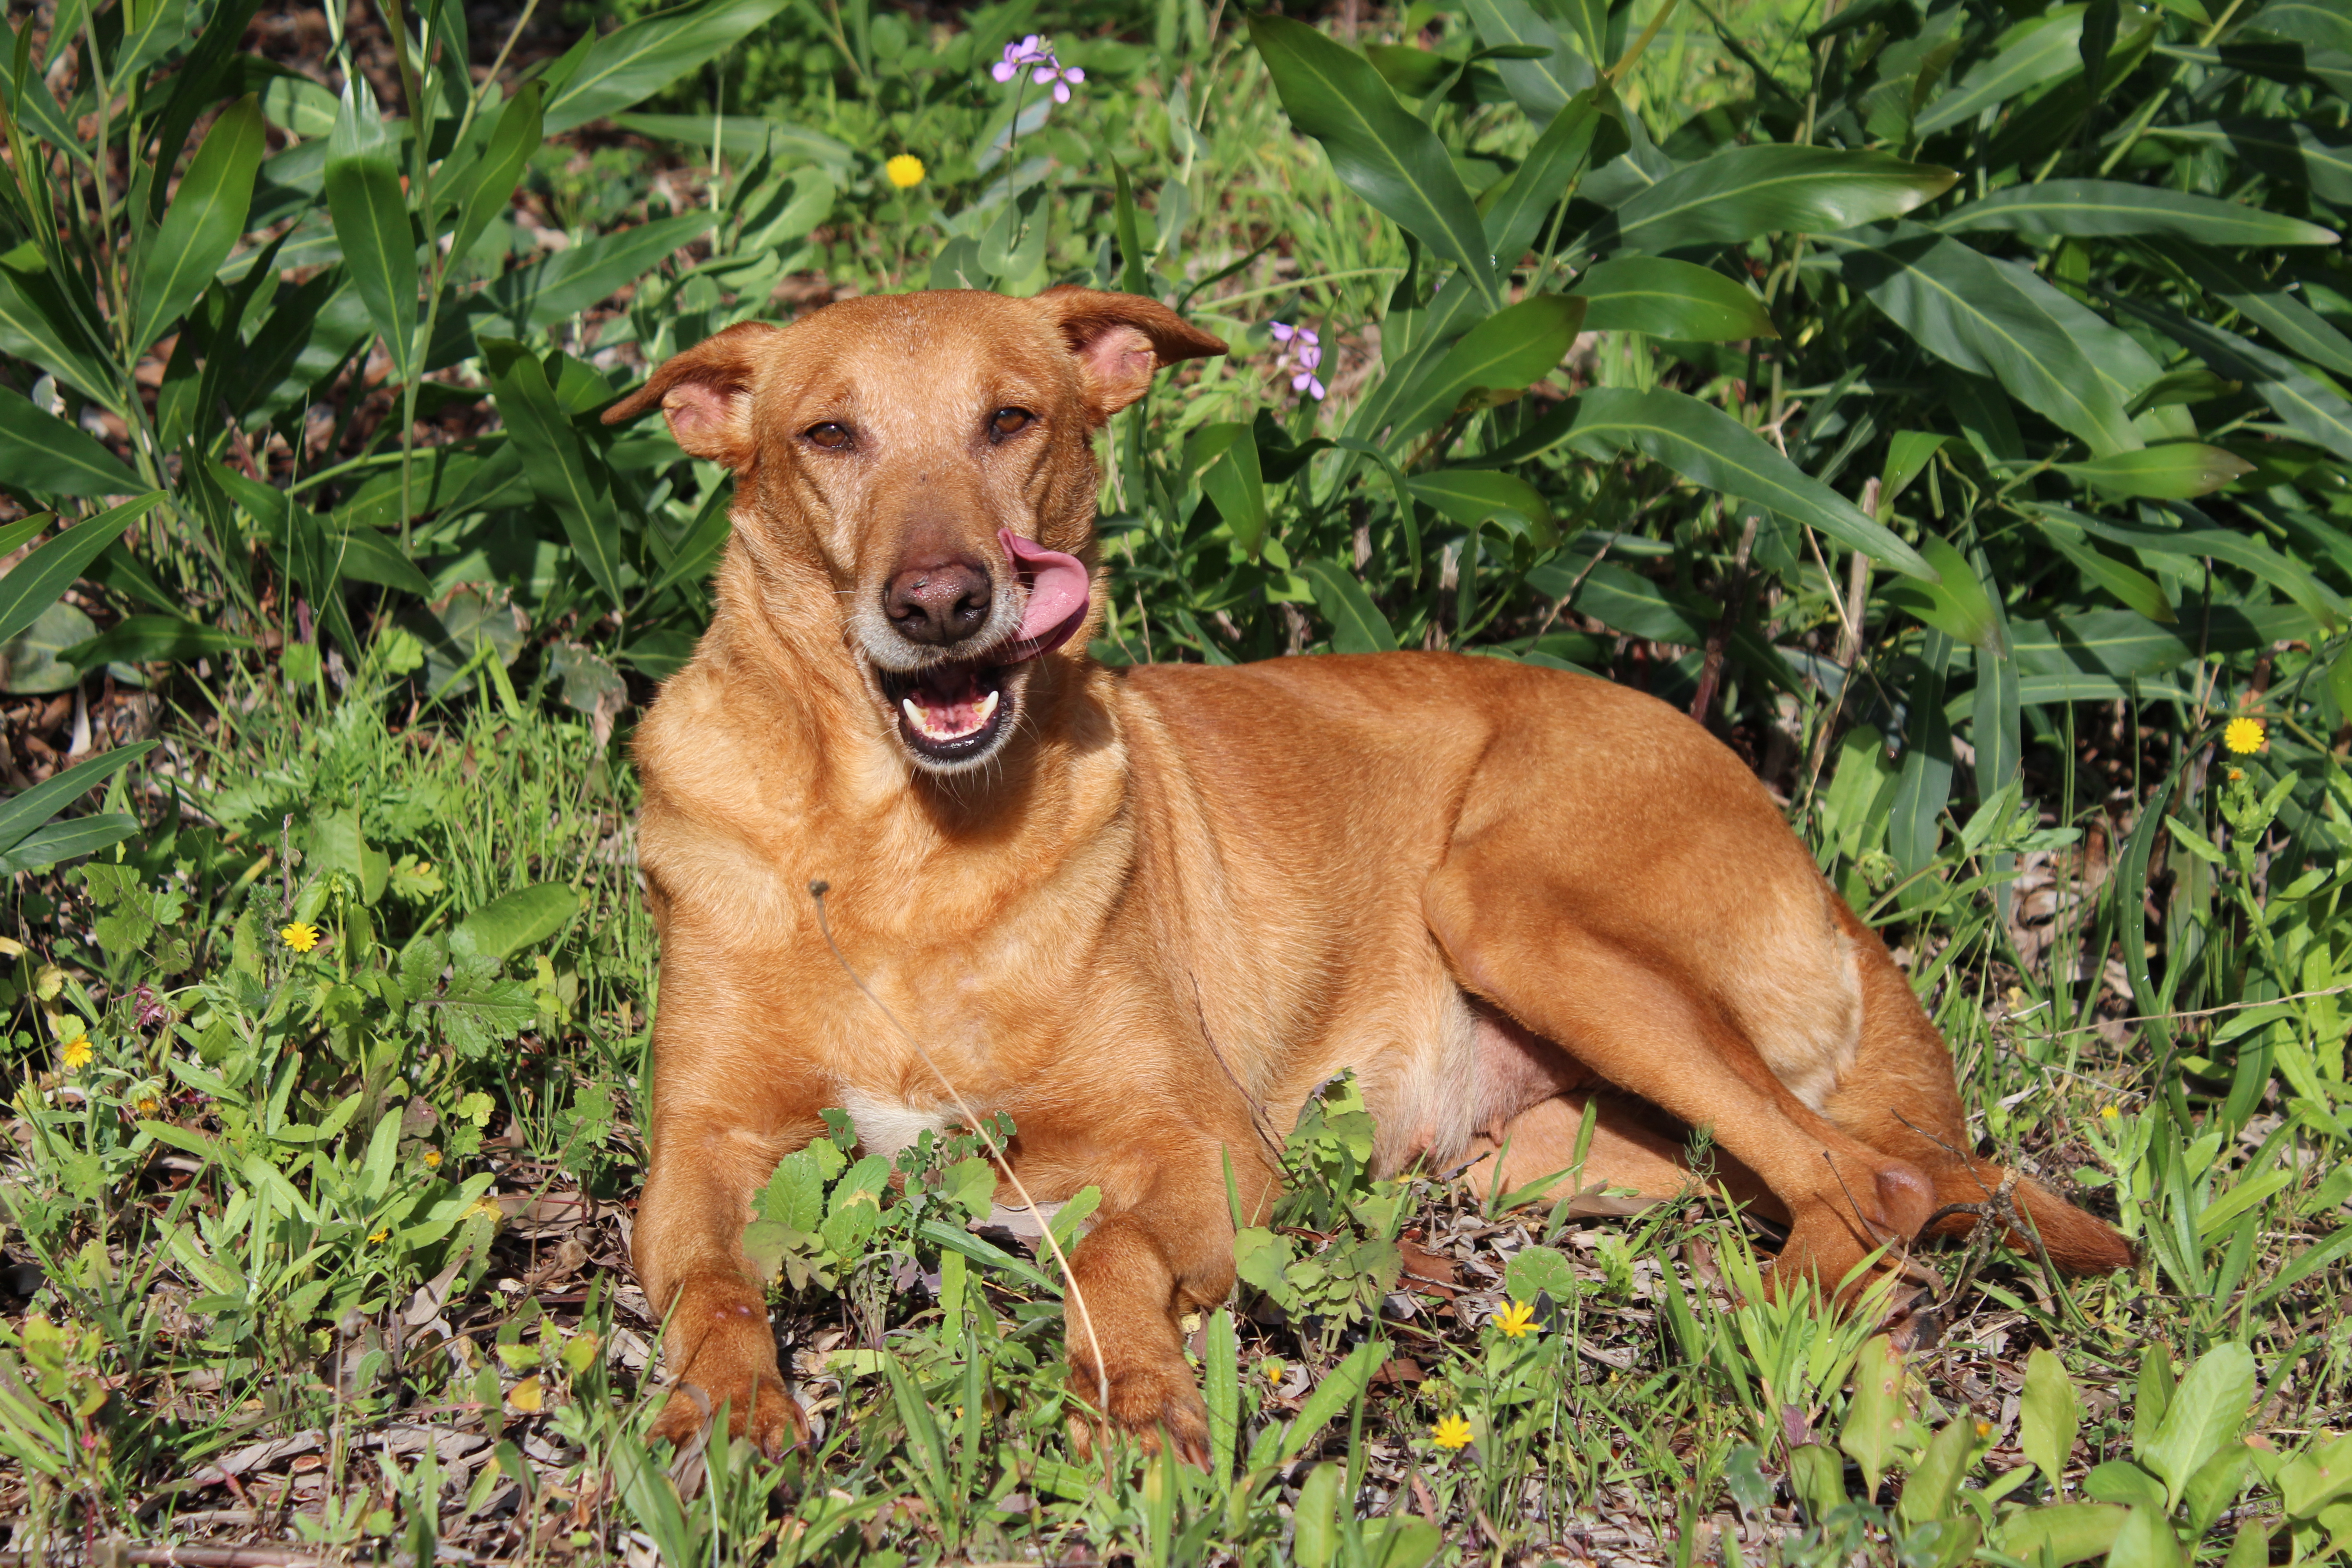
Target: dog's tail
2077, 1242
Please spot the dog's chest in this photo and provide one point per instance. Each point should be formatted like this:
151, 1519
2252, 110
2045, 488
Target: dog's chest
886, 1124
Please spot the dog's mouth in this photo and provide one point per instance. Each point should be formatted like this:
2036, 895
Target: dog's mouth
950, 712
954, 714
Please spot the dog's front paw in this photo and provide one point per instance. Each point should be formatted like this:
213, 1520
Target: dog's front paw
1148, 1399
761, 1409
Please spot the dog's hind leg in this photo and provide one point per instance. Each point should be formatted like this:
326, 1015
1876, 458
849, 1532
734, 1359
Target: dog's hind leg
1899, 1096
1504, 923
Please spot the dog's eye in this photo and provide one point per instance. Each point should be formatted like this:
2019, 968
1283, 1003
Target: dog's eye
833, 438
1009, 422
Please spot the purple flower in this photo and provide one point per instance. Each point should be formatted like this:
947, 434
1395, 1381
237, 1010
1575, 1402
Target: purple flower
1302, 343
1036, 54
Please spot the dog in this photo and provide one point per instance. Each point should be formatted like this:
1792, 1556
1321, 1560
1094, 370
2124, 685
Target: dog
1146, 911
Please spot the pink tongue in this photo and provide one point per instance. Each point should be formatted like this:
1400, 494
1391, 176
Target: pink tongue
1058, 586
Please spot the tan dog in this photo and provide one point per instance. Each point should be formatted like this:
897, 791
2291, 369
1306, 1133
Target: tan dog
1146, 911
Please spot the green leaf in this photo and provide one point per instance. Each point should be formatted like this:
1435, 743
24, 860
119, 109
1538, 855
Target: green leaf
2206, 1412
1221, 1383
33, 584
519, 919
561, 471
45, 848
1710, 447
1997, 319
1472, 496
2177, 470
2135, 588
29, 809
1226, 457
1669, 298
2101, 207
2047, 1417
2300, 400
2145, 1541
1341, 1387
490, 185
141, 639
40, 452
40, 324
1539, 1271
2050, 52
573, 279
371, 221
1516, 211
1543, 85
1509, 350
1956, 606
2289, 151
204, 222
1389, 157
2293, 324
2061, 1532
1915, 825
1356, 624
1744, 192
633, 62
1927, 1490
2310, 1481
1877, 1413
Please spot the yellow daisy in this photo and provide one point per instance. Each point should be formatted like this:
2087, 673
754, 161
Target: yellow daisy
1450, 1433
301, 935
2243, 735
2110, 1113
1516, 1320
433, 1159
76, 1053
905, 171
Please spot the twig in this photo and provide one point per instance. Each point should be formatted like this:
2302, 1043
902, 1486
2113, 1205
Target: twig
817, 890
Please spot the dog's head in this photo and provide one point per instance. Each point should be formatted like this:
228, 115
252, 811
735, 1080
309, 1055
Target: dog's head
932, 455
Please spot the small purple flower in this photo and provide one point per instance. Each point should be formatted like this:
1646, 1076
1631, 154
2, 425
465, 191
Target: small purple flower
1309, 348
1036, 54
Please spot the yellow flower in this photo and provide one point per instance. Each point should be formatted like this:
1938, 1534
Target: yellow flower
433, 1159
905, 170
1516, 1320
76, 1053
2243, 735
301, 936
1450, 1433
2109, 1113
2236, 774
378, 1238
148, 1105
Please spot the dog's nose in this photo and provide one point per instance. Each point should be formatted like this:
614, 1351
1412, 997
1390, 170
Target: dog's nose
939, 602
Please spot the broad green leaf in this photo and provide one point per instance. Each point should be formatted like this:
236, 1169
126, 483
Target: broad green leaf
70, 840
1539, 1271
2206, 1412
1954, 604
2047, 1417
1386, 155
1995, 318
2299, 400
33, 584
2100, 207
1669, 298
1541, 85
28, 810
1356, 624
141, 639
1915, 825
573, 279
2318, 22
519, 919
1226, 457
1744, 192
2285, 150
41, 452
2293, 324
561, 471
1878, 1411
2134, 587
2309, 1482
2061, 1532
490, 185
1509, 350
1709, 447
638, 60
40, 322
745, 135
1472, 496
1626, 602
1340, 1387
1515, 214
204, 222
2049, 52
1927, 1490
2177, 470
370, 219
2144, 1539
2249, 552
150, 31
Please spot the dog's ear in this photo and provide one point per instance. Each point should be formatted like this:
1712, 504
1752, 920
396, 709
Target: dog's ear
1119, 341
706, 393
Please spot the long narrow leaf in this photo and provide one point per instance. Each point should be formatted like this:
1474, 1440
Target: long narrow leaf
27, 811
33, 584
41, 452
560, 470
633, 62
371, 218
204, 222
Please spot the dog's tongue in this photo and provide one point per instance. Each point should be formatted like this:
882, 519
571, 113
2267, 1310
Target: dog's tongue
1058, 586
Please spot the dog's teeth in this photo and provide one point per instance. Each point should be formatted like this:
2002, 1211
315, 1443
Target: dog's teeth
914, 714
987, 710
